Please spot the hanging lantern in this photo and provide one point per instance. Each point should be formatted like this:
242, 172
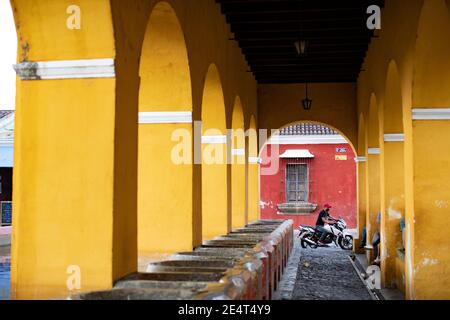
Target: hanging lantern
307, 103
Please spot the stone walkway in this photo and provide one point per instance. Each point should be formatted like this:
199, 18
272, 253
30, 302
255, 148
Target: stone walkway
321, 274
287, 283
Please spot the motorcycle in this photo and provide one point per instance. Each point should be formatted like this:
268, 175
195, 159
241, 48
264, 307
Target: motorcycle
337, 234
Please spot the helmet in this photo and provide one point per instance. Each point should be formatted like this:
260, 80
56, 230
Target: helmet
327, 206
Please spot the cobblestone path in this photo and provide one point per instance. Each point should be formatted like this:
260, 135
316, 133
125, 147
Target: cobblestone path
327, 274
322, 274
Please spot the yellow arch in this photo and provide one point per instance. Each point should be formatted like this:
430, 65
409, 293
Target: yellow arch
216, 218
213, 105
373, 125
362, 136
272, 132
393, 104
431, 83
165, 224
264, 146
164, 68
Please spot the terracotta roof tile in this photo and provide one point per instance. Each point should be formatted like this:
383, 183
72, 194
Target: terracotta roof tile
307, 129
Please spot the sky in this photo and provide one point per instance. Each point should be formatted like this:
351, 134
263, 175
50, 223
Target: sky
8, 39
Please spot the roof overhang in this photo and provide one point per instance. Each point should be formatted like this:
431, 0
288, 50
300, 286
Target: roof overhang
297, 154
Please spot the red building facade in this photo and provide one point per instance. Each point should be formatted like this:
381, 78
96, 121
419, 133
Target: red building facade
315, 166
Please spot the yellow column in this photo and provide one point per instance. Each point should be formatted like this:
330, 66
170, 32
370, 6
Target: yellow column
253, 172
74, 224
215, 216
253, 189
373, 190
238, 187
362, 203
165, 187
427, 239
392, 200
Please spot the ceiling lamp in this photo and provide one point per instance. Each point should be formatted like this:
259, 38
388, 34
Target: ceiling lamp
307, 103
301, 46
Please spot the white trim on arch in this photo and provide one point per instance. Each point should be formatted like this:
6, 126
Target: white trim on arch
374, 151
66, 69
431, 114
214, 139
394, 137
165, 117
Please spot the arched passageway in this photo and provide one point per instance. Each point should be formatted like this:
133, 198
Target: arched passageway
88, 175
305, 166
392, 179
216, 218
165, 221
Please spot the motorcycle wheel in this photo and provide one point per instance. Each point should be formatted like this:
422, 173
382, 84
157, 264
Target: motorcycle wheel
346, 243
306, 244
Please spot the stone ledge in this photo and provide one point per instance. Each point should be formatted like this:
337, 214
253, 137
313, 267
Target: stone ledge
297, 208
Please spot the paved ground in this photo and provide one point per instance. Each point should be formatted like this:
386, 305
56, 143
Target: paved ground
327, 274
289, 278
387, 293
321, 274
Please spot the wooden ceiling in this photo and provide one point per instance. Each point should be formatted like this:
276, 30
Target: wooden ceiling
336, 32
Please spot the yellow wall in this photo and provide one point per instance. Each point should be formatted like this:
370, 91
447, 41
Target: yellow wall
431, 89
334, 104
